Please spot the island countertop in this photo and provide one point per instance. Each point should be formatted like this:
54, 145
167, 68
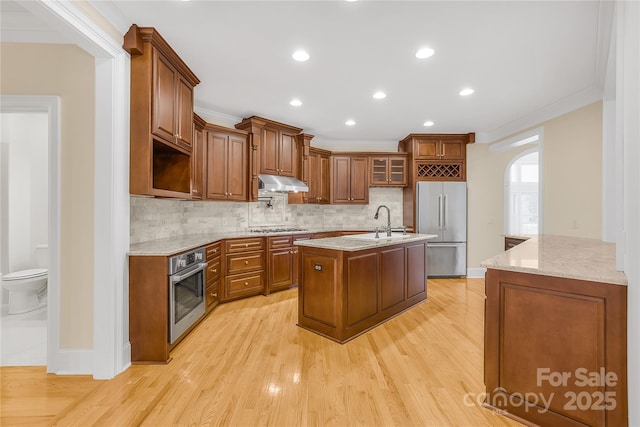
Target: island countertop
357, 243
562, 256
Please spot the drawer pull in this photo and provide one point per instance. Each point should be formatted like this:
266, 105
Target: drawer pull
246, 245
214, 295
215, 270
246, 263
246, 283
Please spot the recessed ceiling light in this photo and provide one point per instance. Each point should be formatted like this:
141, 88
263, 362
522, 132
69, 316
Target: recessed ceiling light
295, 102
300, 55
350, 122
466, 91
351, 1
428, 123
425, 52
379, 95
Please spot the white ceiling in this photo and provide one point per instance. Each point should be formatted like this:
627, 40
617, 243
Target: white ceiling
527, 61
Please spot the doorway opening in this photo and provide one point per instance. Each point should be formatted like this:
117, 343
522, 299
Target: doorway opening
522, 194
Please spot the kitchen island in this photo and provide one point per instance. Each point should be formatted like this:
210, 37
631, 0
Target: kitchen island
348, 285
556, 333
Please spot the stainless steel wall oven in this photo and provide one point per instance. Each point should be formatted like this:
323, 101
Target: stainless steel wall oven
187, 283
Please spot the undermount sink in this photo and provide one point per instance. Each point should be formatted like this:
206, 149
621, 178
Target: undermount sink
382, 235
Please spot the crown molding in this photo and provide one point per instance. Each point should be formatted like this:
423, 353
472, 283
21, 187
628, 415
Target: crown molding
217, 117
337, 146
535, 118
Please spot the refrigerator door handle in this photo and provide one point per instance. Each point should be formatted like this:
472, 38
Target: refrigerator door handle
440, 211
444, 214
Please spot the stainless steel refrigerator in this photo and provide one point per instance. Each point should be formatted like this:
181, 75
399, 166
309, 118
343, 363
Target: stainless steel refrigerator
441, 208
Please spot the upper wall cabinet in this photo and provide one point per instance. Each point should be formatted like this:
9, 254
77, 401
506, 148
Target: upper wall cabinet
350, 179
388, 170
226, 165
161, 112
437, 157
273, 150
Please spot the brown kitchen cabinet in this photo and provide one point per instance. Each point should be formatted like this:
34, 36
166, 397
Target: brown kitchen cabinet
557, 342
343, 294
388, 171
213, 274
431, 157
283, 258
226, 166
161, 116
273, 150
244, 268
319, 176
198, 158
350, 179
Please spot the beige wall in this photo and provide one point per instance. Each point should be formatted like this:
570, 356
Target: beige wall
572, 162
66, 71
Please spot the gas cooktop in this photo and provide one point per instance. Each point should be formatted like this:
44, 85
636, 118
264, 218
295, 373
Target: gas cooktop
276, 230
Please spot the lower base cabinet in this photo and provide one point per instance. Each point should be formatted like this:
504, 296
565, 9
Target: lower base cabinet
556, 349
342, 294
244, 268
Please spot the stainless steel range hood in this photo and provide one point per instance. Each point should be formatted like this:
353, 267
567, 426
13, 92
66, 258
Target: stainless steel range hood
281, 184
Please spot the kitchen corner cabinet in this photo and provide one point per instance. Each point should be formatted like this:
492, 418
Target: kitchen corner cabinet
350, 180
388, 171
227, 163
198, 158
161, 128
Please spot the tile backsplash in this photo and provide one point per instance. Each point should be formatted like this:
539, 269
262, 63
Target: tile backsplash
162, 218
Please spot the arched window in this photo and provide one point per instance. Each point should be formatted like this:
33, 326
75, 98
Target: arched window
522, 183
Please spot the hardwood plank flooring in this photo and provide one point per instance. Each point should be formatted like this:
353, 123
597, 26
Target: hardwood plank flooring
248, 364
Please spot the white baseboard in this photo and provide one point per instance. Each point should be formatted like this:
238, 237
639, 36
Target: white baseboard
71, 362
125, 357
476, 272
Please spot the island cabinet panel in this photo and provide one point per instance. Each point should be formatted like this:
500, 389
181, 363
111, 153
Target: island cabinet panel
392, 265
342, 294
320, 290
416, 271
362, 288
559, 344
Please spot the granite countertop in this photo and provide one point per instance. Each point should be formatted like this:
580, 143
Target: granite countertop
175, 245
351, 244
562, 256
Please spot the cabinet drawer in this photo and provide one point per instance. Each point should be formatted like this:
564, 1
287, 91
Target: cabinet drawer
244, 284
301, 237
213, 270
279, 242
242, 263
244, 245
213, 251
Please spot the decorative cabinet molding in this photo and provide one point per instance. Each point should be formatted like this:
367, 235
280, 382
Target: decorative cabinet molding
161, 110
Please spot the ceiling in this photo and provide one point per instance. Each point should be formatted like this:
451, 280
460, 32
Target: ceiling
526, 61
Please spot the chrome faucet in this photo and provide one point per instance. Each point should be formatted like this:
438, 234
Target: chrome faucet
388, 229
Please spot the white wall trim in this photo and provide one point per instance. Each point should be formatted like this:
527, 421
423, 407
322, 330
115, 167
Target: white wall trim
51, 106
476, 272
72, 361
528, 137
111, 201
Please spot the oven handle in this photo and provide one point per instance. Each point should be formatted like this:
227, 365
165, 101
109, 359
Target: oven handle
180, 277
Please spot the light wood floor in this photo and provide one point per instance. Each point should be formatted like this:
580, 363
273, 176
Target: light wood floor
247, 364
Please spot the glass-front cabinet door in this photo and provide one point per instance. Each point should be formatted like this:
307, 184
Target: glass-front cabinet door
388, 171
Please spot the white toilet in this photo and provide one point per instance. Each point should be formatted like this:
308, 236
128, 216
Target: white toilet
26, 287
